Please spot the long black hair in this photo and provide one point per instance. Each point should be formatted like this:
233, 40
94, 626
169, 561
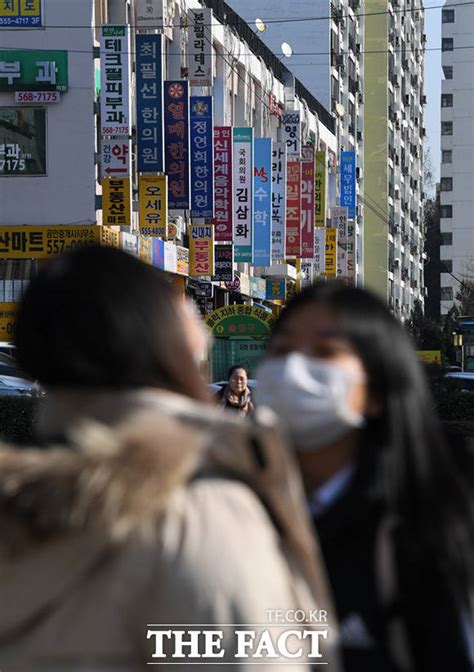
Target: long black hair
403, 447
99, 317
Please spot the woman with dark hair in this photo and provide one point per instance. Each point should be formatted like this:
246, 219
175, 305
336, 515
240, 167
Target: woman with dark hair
141, 486
393, 512
236, 395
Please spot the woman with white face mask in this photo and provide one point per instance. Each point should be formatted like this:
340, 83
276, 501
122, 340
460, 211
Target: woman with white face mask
393, 513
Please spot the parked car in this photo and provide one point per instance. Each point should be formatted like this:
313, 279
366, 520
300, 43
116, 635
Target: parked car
465, 378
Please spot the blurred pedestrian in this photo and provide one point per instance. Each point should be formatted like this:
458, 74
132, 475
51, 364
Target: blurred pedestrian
146, 505
393, 511
236, 395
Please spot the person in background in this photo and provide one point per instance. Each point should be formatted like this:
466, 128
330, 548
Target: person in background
141, 485
236, 395
393, 511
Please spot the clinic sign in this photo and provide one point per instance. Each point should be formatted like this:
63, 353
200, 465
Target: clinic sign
41, 242
33, 70
202, 156
177, 143
149, 95
278, 201
21, 13
115, 80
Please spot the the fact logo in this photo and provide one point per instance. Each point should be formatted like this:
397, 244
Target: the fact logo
279, 640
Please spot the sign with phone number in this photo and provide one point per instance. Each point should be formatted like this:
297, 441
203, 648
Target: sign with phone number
41, 242
26, 97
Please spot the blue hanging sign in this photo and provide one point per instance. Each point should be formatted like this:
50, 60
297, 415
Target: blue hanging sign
177, 143
202, 157
262, 203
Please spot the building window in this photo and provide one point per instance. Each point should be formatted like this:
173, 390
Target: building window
446, 128
446, 238
448, 15
446, 184
447, 156
448, 71
446, 211
446, 293
447, 100
447, 44
446, 265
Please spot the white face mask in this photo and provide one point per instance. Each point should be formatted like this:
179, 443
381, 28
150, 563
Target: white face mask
310, 396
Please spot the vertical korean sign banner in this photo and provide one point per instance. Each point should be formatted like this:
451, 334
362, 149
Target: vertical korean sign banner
291, 133
320, 189
177, 144
351, 253
152, 205
262, 203
242, 140
319, 251
201, 250
293, 209
339, 222
278, 201
331, 253
348, 182
115, 80
223, 206
116, 201
202, 156
149, 68
307, 202
200, 54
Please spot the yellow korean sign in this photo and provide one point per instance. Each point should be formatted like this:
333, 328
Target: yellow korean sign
110, 237
8, 314
320, 189
41, 242
429, 356
116, 201
331, 253
201, 250
153, 205
20, 14
145, 249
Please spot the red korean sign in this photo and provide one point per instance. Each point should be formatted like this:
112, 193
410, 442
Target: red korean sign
176, 97
307, 202
223, 183
293, 209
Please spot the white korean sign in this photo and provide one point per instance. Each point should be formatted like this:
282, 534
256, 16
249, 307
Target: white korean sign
171, 257
149, 13
278, 201
115, 80
339, 217
319, 251
243, 193
200, 56
307, 273
129, 243
351, 252
291, 134
116, 158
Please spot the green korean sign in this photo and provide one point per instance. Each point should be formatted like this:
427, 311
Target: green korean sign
33, 70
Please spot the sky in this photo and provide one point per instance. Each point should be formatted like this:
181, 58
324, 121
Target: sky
433, 76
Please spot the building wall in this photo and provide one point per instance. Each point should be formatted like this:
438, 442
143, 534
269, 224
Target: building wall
376, 149
67, 194
309, 36
457, 245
